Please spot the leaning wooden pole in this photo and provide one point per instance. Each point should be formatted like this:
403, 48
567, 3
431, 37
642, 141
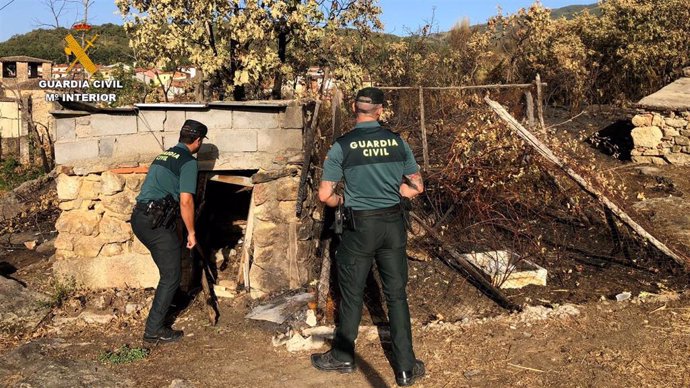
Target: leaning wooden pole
422, 123
537, 144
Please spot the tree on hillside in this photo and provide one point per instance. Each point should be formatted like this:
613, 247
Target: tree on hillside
243, 46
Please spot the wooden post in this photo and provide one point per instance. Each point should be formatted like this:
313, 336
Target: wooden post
544, 150
540, 103
529, 106
425, 147
243, 270
293, 266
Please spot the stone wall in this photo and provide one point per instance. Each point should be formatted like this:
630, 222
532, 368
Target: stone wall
105, 156
242, 135
661, 138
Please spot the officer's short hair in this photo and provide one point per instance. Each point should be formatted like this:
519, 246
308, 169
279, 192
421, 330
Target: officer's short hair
192, 130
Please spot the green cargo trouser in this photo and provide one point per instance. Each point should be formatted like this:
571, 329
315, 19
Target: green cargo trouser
382, 237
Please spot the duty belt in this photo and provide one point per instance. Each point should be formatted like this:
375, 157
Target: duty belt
377, 212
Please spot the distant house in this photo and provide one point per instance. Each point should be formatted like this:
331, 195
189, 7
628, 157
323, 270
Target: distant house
22, 68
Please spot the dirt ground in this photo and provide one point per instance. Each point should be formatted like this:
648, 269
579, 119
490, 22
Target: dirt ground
639, 342
572, 333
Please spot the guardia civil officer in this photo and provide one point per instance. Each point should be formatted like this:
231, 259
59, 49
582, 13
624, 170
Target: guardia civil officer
167, 191
378, 168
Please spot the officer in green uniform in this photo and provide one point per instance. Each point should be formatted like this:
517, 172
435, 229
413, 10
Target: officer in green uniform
378, 168
173, 174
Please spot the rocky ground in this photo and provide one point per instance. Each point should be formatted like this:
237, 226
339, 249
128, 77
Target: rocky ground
571, 333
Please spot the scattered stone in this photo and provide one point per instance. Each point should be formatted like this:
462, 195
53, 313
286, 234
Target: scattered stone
539, 313
623, 296
471, 373
46, 247
311, 318
180, 383
92, 317
224, 292
30, 245
298, 343
131, 308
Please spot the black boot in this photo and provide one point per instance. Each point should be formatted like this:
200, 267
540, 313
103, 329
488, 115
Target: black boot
407, 378
326, 362
165, 334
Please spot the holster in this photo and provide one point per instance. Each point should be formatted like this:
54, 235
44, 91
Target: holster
163, 212
344, 219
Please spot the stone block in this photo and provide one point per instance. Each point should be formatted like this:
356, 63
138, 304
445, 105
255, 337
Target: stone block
109, 125
681, 140
88, 247
648, 137
112, 183
90, 189
138, 144
293, 117
65, 128
255, 120
114, 230
66, 152
129, 270
651, 152
174, 120
234, 141
150, 120
106, 146
78, 222
643, 120
111, 249
670, 132
68, 187
657, 120
120, 205
676, 123
286, 189
170, 139
214, 119
280, 140
134, 181
678, 159
685, 133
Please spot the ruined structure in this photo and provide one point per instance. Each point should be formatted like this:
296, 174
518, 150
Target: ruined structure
662, 126
22, 102
104, 157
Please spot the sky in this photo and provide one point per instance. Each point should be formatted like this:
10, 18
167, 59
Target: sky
400, 17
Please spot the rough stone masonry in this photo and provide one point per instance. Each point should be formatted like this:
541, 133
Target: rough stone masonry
105, 157
662, 126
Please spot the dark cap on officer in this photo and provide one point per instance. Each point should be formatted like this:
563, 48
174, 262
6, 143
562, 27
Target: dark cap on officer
370, 96
193, 129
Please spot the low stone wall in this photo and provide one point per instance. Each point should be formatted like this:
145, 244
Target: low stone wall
661, 138
96, 245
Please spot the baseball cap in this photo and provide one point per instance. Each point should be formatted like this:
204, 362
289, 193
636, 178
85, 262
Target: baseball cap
370, 95
194, 128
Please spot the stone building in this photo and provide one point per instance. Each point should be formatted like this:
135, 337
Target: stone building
251, 159
20, 97
662, 125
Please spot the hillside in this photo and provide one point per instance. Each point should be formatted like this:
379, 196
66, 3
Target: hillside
570, 11
112, 44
